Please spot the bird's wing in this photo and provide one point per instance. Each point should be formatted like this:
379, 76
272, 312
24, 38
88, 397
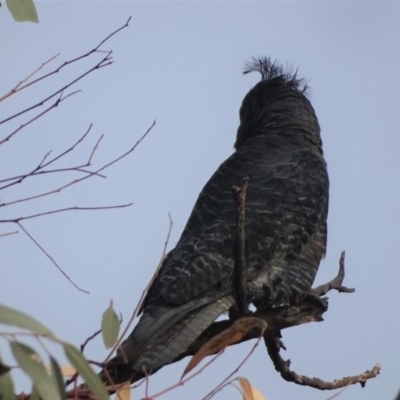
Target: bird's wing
287, 197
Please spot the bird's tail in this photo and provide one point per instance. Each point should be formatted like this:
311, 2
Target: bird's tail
158, 340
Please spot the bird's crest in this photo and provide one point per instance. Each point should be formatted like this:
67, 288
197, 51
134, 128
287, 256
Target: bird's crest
274, 71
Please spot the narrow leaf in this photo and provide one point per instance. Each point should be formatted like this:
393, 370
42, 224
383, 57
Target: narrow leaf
93, 382
233, 334
110, 327
4, 368
35, 394
32, 365
6, 387
124, 391
13, 317
57, 375
22, 10
249, 392
245, 387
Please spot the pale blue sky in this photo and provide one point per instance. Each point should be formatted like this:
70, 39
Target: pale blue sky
180, 63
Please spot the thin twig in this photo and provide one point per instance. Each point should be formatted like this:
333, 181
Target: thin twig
240, 262
8, 233
18, 88
39, 168
181, 382
19, 219
106, 60
227, 379
37, 116
20, 178
51, 258
59, 189
139, 304
70, 148
94, 149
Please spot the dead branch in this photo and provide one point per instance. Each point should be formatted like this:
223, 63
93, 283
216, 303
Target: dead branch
336, 283
240, 262
277, 319
272, 342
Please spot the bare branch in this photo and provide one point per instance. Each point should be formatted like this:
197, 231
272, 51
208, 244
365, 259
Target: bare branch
228, 378
17, 220
240, 261
59, 189
272, 343
51, 258
54, 105
8, 233
140, 302
335, 283
94, 149
18, 87
105, 61
39, 168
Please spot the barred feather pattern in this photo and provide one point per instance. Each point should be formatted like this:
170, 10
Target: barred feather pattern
279, 148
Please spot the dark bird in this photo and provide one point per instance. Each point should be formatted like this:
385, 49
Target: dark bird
279, 150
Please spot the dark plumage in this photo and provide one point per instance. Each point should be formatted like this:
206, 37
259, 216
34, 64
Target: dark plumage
278, 147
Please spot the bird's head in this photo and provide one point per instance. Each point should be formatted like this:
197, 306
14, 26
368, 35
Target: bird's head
278, 107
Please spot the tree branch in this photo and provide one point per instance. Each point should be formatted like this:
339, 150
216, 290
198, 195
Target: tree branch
51, 258
272, 342
104, 62
240, 261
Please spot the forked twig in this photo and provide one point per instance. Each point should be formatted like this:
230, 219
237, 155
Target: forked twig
336, 283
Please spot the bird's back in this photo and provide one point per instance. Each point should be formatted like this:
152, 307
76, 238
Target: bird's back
279, 150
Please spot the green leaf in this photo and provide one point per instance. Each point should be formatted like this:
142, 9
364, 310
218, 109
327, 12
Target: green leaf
4, 368
35, 394
110, 327
6, 387
93, 382
11, 316
22, 10
32, 365
56, 373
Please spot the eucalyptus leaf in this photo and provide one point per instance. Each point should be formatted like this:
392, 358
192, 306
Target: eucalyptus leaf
56, 373
6, 387
92, 380
13, 317
23, 10
110, 327
32, 365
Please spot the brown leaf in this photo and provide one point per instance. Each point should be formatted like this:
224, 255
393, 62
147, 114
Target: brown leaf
249, 392
124, 391
233, 334
245, 387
